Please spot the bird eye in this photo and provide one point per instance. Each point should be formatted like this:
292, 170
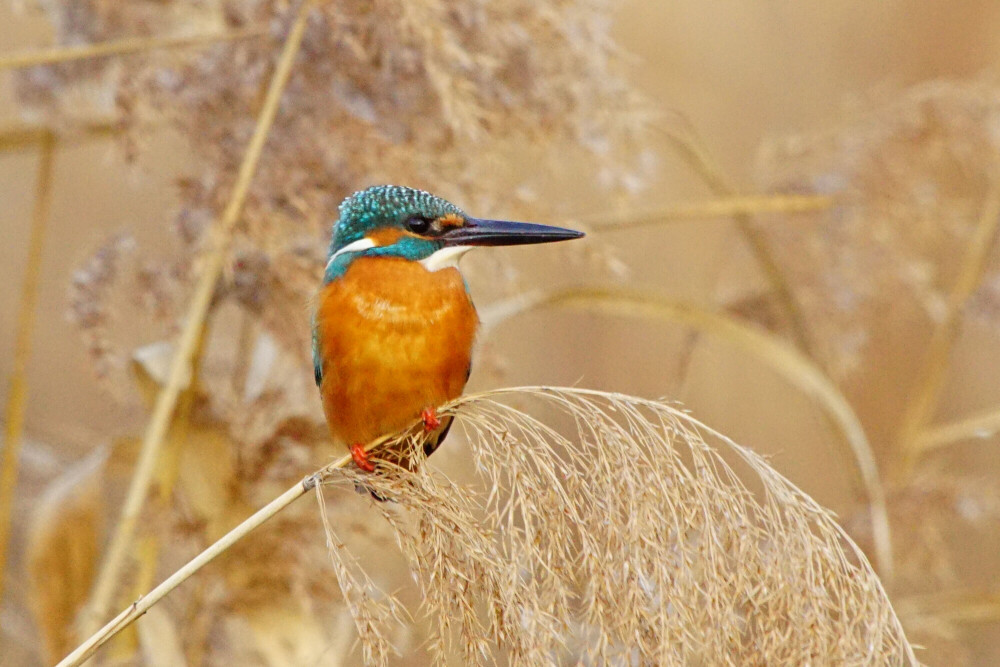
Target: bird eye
418, 224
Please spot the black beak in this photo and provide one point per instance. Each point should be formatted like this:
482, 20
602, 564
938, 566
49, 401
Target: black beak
502, 232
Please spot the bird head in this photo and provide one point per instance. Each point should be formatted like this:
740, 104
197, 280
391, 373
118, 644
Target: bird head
396, 221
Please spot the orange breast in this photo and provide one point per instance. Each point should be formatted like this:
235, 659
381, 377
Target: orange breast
394, 339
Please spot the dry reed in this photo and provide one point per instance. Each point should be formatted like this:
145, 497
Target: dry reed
723, 207
687, 144
18, 396
798, 369
13, 137
911, 176
417, 120
631, 531
118, 47
905, 254
979, 426
107, 578
920, 408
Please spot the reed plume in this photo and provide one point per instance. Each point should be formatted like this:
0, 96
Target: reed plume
601, 528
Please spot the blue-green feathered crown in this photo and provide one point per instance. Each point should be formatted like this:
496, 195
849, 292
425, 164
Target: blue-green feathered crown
384, 206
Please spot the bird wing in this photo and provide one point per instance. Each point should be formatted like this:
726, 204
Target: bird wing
317, 359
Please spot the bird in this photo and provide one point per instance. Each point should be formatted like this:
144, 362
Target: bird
394, 324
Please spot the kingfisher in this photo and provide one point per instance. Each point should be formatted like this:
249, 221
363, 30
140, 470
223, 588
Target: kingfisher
394, 323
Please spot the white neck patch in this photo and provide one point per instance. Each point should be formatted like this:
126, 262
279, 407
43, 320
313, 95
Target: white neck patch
445, 258
360, 244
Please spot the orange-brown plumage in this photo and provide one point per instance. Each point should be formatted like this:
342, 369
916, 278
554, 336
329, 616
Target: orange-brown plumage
393, 339
394, 324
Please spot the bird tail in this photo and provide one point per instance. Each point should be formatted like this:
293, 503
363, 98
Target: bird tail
403, 460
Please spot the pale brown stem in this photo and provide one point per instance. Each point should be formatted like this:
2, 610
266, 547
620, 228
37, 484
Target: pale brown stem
786, 360
143, 604
920, 408
214, 261
148, 550
719, 208
17, 398
954, 606
983, 425
691, 150
117, 47
702, 163
13, 137
131, 613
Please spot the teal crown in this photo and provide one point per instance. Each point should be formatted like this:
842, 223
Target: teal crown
378, 207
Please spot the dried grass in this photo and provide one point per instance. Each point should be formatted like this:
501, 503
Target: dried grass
118, 47
689, 147
626, 537
422, 88
906, 248
920, 409
418, 92
799, 370
214, 260
911, 176
630, 532
17, 399
453, 97
976, 427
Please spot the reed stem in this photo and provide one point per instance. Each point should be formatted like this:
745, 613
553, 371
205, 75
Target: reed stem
214, 261
131, 613
790, 363
118, 47
919, 410
719, 208
983, 425
17, 398
18, 136
701, 162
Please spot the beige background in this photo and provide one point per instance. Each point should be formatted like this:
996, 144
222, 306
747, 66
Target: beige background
742, 71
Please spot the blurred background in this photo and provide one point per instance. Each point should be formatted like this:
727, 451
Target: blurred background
825, 174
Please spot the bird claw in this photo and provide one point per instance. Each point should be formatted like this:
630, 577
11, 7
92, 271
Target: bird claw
360, 457
431, 421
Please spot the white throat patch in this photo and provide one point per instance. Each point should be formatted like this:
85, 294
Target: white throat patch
445, 258
360, 244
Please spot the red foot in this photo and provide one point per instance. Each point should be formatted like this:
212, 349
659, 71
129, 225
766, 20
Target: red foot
360, 457
431, 421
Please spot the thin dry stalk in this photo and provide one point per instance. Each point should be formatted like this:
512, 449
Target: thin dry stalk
954, 606
148, 554
786, 361
625, 537
980, 426
635, 526
14, 137
699, 159
120, 47
214, 261
719, 208
131, 613
17, 398
919, 410
143, 604
370, 615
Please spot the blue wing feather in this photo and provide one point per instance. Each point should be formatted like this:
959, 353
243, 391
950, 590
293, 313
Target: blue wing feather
317, 359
